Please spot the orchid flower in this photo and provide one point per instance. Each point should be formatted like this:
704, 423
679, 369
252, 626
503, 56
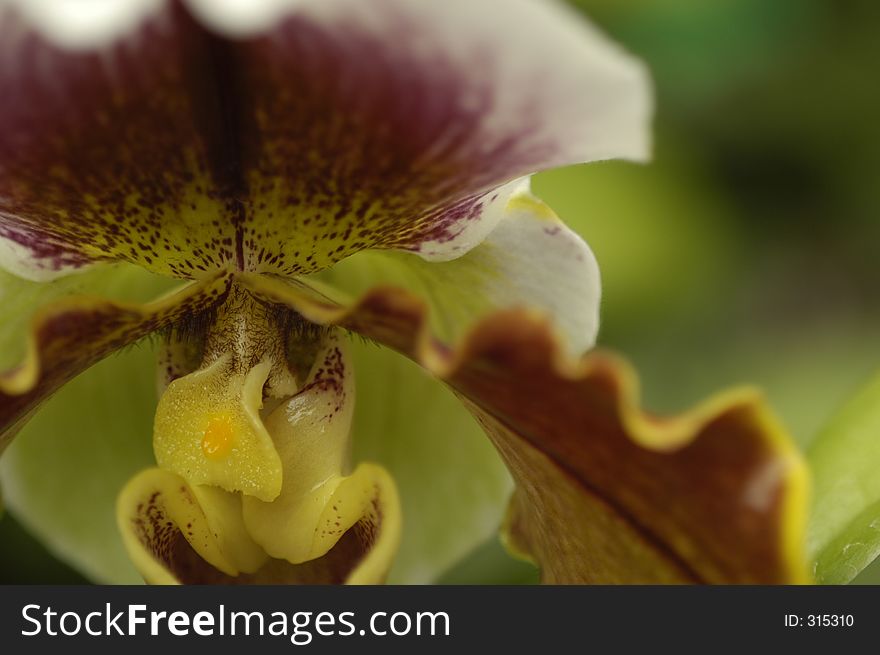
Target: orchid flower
313, 169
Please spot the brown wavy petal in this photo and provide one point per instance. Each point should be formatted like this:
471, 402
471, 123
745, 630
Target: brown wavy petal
606, 492
70, 335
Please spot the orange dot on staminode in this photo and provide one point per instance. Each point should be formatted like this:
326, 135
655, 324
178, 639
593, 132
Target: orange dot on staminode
218, 438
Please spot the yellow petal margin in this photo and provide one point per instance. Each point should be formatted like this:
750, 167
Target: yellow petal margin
606, 493
68, 336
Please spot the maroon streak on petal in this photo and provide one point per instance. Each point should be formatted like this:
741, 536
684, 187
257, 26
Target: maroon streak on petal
70, 335
335, 567
392, 124
605, 492
344, 126
122, 153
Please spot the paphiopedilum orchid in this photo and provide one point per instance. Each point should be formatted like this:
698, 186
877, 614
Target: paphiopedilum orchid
314, 168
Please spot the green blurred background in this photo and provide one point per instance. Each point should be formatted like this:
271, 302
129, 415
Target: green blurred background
748, 251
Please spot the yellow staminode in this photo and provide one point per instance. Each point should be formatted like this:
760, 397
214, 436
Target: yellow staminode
197, 436
208, 430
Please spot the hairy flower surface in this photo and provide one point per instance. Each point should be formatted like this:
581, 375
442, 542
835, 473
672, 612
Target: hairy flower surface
313, 168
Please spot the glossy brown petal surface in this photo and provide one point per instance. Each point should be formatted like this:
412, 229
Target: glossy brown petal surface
606, 492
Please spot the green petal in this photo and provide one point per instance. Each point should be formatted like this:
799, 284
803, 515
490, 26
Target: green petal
844, 531
452, 483
62, 474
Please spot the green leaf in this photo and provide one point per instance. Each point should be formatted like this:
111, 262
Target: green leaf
453, 485
844, 535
